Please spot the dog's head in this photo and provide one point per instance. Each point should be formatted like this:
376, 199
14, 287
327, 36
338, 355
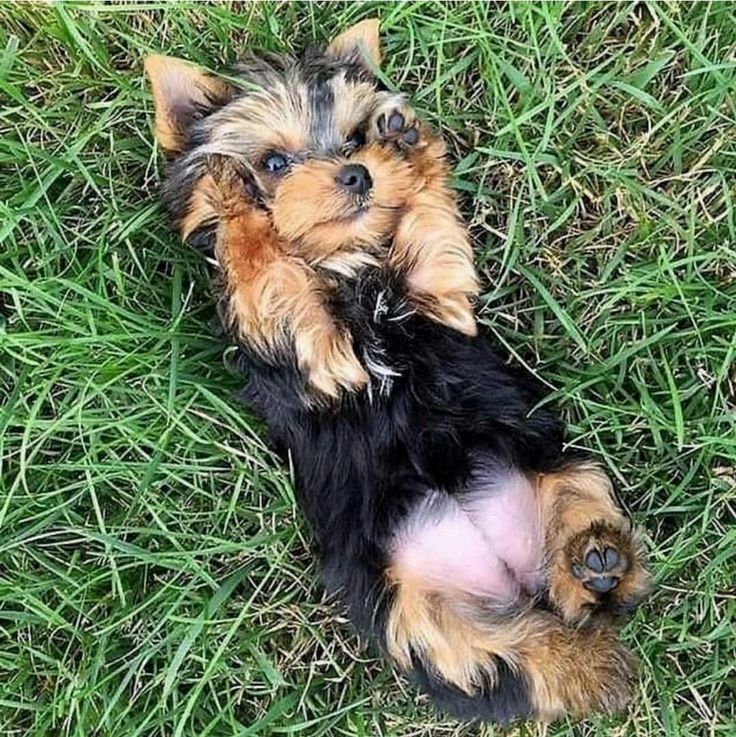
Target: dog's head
288, 138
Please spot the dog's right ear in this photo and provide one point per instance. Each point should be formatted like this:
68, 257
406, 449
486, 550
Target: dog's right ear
360, 42
181, 93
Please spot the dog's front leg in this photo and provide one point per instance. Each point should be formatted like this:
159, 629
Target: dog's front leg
431, 246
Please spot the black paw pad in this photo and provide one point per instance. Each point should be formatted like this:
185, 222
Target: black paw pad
602, 584
611, 558
411, 136
601, 569
594, 561
395, 122
393, 127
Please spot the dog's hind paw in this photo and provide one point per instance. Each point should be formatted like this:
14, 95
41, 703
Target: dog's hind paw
602, 567
603, 573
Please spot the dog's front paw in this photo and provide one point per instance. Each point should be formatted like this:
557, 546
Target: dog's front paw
330, 365
394, 123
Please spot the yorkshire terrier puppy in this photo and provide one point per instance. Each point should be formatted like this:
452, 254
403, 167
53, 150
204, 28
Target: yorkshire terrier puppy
486, 563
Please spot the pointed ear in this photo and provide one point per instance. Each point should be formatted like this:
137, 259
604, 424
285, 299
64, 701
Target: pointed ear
180, 91
360, 41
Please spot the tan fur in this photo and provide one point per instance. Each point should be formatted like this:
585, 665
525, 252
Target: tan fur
318, 219
427, 622
575, 671
570, 671
636, 585
274, 298
177, 85
354, 102
363, 37
273, 119
273, 265
278, 118
200, 210
316, 223
431, 243
573, 503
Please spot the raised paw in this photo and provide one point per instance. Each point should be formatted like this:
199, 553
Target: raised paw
395, 124
600, 571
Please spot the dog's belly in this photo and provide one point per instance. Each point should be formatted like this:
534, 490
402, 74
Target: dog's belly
485, 542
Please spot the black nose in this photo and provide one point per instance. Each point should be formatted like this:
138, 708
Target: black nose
355, 179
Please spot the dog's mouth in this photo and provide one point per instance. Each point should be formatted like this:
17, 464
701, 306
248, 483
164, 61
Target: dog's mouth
358, 211
359, 207
351, 212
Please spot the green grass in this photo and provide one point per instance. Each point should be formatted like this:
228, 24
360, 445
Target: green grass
155, 578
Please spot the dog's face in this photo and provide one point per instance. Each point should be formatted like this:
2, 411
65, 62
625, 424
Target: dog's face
292, 142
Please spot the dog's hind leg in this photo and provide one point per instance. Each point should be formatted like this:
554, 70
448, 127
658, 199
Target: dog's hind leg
594, 557
460, 614
477, 661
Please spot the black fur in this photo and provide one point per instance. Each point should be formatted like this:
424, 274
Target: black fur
502, 702
360, 467
437, 399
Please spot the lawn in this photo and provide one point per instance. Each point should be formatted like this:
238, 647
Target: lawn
155, 578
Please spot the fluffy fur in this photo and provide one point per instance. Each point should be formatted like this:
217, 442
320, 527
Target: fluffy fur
485, 562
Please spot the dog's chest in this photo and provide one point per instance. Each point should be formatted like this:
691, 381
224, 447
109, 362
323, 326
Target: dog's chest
375, 308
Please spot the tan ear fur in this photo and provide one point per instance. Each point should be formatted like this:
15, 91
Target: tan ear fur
363, 38
179, 88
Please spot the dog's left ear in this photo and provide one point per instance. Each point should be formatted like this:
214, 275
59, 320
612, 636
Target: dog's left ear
360, 42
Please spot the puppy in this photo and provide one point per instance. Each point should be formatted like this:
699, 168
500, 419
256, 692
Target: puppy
485, 562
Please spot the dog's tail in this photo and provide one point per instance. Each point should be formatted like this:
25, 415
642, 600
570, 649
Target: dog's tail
476, 664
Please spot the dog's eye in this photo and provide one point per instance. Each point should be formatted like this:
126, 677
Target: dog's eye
355, 140
275, 163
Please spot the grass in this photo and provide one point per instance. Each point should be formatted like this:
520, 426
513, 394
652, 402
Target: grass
155, 578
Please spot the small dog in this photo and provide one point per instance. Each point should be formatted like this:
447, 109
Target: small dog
488, 564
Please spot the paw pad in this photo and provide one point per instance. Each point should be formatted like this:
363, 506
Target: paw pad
602, 569
394, 127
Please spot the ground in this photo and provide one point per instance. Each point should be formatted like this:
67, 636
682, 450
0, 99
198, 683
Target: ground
155, 578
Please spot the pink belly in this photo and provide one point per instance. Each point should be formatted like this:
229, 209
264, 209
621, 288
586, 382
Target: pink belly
486, 542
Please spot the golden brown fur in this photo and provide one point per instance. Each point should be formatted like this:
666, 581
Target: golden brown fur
173, 81
311, 219
464, 636
319, 220
274, 297
570, 671
280, 239
579, 513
